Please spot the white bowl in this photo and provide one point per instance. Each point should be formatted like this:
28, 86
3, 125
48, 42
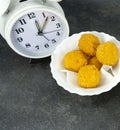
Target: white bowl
68, 79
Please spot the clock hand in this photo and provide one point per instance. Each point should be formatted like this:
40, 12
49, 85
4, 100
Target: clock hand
51, 31
45, 37
41, 34
44, 24
37, 26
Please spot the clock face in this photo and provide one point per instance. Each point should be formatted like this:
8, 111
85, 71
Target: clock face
37, 33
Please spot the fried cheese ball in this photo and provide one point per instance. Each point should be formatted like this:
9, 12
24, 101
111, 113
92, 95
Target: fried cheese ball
107, 53
73, 60
95, 61
88, 44
89, 76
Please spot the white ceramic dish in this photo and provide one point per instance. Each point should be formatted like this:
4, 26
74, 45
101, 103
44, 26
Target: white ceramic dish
110, 76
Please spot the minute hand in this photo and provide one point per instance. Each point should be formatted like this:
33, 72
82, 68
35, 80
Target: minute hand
51, 31
44, 24
37, 26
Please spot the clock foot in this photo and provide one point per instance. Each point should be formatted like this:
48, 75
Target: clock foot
45, 60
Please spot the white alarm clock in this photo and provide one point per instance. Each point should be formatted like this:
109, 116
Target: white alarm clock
33, 28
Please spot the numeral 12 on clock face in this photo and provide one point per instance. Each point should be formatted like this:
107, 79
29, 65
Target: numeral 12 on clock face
38, 32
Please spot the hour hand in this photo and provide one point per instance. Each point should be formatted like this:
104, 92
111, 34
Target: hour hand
37, 26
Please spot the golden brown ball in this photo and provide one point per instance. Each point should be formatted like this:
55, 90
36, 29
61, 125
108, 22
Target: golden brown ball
107, 53
89, 76
88, 43
73, 60
95, 61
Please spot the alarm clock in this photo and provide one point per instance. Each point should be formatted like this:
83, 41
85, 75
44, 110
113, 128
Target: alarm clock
33, 28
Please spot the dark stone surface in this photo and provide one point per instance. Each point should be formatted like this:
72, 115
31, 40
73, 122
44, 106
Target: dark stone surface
30, 98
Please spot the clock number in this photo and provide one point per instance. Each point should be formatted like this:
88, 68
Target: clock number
53, 41
31, 15
22, 21
58, 25
28, 45
19, 30
46, 45
58, 34
43, 14
53, 18
37, 47
19, 39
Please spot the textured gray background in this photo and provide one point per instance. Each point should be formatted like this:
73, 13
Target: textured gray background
30, 98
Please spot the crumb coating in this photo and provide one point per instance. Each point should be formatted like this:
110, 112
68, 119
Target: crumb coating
88, 43
89, 76
73, 60
95, 61
107, 53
